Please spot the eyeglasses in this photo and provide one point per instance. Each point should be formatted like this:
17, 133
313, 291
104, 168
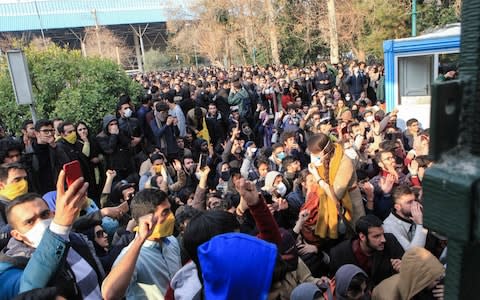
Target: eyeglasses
100, 234
47, 131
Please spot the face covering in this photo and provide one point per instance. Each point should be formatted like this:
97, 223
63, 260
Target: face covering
253, 150
165, 229
158, 169
348, 98
71, 138
247, 131
369, 119
281, 189
225, 175
281, 155
14, 189
316, 161
128, 113
35, 234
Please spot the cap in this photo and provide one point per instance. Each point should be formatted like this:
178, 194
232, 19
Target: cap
233, 108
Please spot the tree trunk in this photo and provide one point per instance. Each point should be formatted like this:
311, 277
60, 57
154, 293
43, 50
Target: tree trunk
332, 21
272, 32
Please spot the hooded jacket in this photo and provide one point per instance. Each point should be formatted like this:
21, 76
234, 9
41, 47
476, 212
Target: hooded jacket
116, 148
343, 277
419, 269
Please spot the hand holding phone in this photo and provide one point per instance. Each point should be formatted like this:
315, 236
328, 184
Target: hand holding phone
72, 171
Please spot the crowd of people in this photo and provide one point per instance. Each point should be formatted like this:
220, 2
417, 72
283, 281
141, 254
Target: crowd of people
273, 182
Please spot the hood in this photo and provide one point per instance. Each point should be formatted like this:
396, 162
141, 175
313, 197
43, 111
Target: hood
419, 269
107, 119
306, 291
185, 283
269, 179
343, 277
237, 266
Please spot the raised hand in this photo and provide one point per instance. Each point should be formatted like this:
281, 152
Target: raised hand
146, 224
69, 202
248, 191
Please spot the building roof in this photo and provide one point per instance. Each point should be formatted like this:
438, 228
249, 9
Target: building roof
446, 31
53, 14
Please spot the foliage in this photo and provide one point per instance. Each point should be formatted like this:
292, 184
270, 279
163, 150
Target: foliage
157, 60
430, 15
66, 85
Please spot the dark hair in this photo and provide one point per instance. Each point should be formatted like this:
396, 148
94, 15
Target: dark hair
276, 146
145, 99
399, 191
42, 123
411, 121
26, 123
287, 161
146, 202
5, 168
205, 225
378, 155
7, 145
61, 126
423, 161
367, 222
237, 85
28, 197
355, 285
286, 135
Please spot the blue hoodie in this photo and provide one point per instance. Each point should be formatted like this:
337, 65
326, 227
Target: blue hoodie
237, 266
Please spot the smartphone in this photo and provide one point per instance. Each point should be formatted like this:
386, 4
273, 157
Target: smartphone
203, 161
72, 171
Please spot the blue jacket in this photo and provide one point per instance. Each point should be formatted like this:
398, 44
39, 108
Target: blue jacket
23, 268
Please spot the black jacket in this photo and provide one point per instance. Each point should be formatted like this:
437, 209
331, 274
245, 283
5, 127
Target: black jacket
342, 254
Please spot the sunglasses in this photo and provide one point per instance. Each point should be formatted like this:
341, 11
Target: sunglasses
100, 234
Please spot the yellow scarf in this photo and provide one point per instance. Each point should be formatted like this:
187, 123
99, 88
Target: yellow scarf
204, 132
327, 219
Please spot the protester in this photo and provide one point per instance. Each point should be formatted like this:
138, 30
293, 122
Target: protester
303, 162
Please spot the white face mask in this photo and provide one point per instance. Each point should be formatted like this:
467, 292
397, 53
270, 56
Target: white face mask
253, 150
347, 98
35, 234
128, 113
369, 119
281, 189
316, 161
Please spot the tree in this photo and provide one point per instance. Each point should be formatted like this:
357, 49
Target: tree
66, 85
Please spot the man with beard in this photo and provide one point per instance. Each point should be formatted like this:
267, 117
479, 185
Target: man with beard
165, 131
405, 222
375, 252
190, 167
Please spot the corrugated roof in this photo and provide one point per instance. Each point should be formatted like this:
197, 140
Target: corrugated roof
21, 16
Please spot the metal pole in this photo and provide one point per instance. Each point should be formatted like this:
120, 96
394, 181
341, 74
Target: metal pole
142, 48
33, 112
41, 24
414, 17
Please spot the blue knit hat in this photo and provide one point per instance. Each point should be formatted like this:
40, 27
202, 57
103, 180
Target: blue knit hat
237, 266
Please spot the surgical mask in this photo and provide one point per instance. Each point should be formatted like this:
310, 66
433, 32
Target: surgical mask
14, 189
281, 155
71, 138
316, 161
348, 98
281, 189
369, 119
253, 150
35, 234
128, 113
164, 229
225, 175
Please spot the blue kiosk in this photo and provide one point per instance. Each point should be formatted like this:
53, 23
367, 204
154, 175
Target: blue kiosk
412, 64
